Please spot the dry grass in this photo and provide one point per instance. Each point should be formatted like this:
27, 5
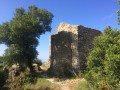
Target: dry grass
44, 67
41, 84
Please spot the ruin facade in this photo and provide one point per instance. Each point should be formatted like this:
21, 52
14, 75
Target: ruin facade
69, 47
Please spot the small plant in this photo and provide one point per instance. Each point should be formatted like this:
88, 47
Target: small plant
80, 75
83, 85
27, 79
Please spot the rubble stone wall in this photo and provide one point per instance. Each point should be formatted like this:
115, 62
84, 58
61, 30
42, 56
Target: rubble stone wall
69, 47
61, 54
86, 36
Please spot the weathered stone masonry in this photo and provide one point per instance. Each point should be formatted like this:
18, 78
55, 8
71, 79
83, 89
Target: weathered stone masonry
69, 47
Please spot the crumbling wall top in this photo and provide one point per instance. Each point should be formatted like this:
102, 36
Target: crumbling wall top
72, 28
66, 27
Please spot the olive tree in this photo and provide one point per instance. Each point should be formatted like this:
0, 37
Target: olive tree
21, 34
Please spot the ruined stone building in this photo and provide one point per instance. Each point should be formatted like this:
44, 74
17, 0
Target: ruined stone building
69, 47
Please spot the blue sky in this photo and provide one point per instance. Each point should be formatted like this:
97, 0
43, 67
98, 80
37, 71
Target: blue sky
96, 14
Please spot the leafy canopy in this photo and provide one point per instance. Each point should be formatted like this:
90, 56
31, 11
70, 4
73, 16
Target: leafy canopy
21, 34
103, 60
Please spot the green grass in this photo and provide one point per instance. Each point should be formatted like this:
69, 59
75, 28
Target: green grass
38, 82
41, 84
83, 85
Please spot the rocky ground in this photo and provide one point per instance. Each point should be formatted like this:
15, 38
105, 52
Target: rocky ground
68, 84
64, 84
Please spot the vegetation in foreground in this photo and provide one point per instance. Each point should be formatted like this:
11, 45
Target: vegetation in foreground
29, 81
41, 84
84, 86
103, 61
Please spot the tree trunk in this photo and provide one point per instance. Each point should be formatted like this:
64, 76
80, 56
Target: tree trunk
30, 65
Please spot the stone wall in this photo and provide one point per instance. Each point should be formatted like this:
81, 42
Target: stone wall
69, 47
61, 54
86, 36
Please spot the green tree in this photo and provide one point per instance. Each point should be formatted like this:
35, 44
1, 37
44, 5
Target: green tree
21, 34
1, 58
37, 61
103, 62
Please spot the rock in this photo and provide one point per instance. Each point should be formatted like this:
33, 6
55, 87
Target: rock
14, 71
47, 63
36, 67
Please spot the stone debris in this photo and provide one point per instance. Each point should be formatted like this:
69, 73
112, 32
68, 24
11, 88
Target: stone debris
47, 63
14, 71
36, 67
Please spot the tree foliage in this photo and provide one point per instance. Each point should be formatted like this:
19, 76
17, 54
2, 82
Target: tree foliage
103, 62
1, 59
21, 34
37, 61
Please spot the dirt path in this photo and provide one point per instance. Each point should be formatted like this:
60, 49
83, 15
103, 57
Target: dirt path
68, 84
62, 84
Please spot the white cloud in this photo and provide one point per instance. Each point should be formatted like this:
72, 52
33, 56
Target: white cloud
108, 17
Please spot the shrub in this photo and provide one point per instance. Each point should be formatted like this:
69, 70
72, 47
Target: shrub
103, 62
3, 77
83, 85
